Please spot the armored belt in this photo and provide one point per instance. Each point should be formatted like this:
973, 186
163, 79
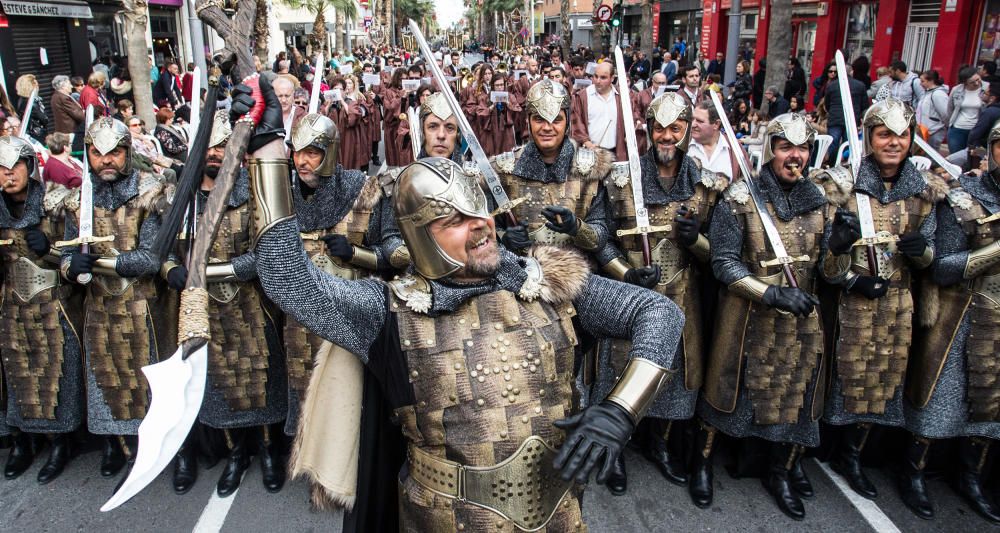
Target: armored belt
988, 287
524, 488
30, 279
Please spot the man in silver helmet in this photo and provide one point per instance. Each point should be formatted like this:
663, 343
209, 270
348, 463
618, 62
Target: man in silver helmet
43, 365
557, 181
125, 312
338, 212
245, 393
474, 348
874, 315
952, 390
773, 389
679, 195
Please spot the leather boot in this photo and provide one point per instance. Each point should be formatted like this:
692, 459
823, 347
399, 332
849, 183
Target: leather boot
272, 468
185, 467
236, 465
59, 454
112, 458
617, 482
782, 460
847, 462
657, 451
797, 477
700, 486
972, 455
912, 488
20, 457
129, 444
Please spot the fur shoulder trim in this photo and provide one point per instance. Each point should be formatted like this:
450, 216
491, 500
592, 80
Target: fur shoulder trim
592, 164
151, 192
72, 202
836, 182
57, 198
414, 290
937, 187
369, 195
562, 273
713, 181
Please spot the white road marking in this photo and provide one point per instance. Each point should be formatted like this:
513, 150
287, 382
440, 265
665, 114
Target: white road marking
868, 510
214, 514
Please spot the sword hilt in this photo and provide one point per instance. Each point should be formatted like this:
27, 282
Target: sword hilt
988, 219
6, 242
311, 236
508, 209
644, 230
784, 261
879, 238
81, 241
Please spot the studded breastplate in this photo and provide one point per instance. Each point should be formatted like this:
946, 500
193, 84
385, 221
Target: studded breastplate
574, 194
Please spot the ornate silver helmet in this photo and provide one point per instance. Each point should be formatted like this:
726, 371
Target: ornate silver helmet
106, 134
427, 190
436, 104
15, 149
221, 129
792, 127
892, 113
547, 99
321, 133
665, 110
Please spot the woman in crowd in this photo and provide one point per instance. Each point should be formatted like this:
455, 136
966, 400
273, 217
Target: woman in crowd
172, 139
93, 95
496, 119
60, 167
38, 123
932, 111
350, 114
966, 103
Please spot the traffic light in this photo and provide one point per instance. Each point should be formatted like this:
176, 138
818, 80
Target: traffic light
616, 15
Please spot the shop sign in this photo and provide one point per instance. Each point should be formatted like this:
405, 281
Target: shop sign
45, 9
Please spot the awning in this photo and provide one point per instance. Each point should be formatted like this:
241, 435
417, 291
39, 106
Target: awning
50, 8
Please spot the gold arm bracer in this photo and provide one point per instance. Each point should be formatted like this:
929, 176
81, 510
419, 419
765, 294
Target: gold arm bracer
638, 386
106, 266
701, 248
364, 258
220, 272
617, 268
750, 288
271, 194
981, 259
166, 267
586, 237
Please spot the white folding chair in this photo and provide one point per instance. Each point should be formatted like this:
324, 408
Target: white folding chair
756, 154
921, 162
823, 143
840, 155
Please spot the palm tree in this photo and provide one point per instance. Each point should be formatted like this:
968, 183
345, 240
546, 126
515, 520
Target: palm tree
567, 32
344, 9
261, 30
136, 17
779, 43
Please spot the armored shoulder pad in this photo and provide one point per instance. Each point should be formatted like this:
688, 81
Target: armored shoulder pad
738, 193
937, 187
414, 290
387, 180
713, 181
618, 174
151, 188
505, 162
959, 199
837, 183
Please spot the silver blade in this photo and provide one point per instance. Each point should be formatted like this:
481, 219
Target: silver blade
25, 119
415, 141
317, 82
478, 154
195, 105
848, 103
773, 237
952, 170
865, 215
631, 145
87, 188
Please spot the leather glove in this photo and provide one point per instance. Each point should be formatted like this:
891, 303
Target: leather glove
177, 277
870, 287
339, 247
598, 433
646, 277
255, 99
37, 241
845, 231
516, 238
795, 301
81, 263
555, 213
687, 226
912, 244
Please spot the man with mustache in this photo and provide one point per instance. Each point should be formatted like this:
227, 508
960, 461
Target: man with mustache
680, 194
874, 316
474, 349
125, 312
764, 374
245, 393
42, 364
559, 180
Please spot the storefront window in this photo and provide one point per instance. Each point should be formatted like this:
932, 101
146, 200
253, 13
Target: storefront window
860, 39
989, 39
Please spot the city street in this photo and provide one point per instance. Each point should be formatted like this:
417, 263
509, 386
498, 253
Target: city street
71, 503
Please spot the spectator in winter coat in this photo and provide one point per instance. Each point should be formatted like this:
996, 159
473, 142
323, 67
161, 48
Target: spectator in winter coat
777, 105
861, 66
796, 83
743, 84
38, 122
883, 79
168, 89
93, 95
758, 84
932, 112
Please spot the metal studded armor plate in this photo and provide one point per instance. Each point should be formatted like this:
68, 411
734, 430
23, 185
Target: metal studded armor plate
874, 336
31, 336
486, 378
781, 351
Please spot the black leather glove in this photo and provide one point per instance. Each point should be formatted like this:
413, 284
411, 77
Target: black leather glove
845, 231
37, 241
271, 125
560, 219
912, 244
81, 263
339, 247
599, 433
795, 301
687, 226
516, 238
644, 277
177, 277
870, 287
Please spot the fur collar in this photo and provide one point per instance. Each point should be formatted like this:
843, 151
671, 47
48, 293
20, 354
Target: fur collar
911, 182
689, 175
980, 188
335, 197
563, 274
142, 190
529, 164
803, 197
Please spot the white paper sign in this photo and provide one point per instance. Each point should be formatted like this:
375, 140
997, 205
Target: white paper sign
370, 80
43, 55
346, 70
411, 85
499, 97
519, 73
426, 81
334, 95
591, 68
581, 83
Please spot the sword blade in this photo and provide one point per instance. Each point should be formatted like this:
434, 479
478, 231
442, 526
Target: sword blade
843, 82
195, 105
86, 224
415, 141
632, 148
478, 154
936, 156
316, 83
25, 119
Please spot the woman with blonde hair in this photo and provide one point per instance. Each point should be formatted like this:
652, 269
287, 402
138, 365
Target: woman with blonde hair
6, 107
93, 94
38, 122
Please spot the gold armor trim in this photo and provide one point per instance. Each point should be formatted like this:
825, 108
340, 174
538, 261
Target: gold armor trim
220, 272
638, 386
792, 127
271, 194
364, 258
166, 267
750, 288
617, 268
328, 265
524, 488
701, 248
400, 257
106, 277
586, 237
546, 235
30, 279
988, 287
